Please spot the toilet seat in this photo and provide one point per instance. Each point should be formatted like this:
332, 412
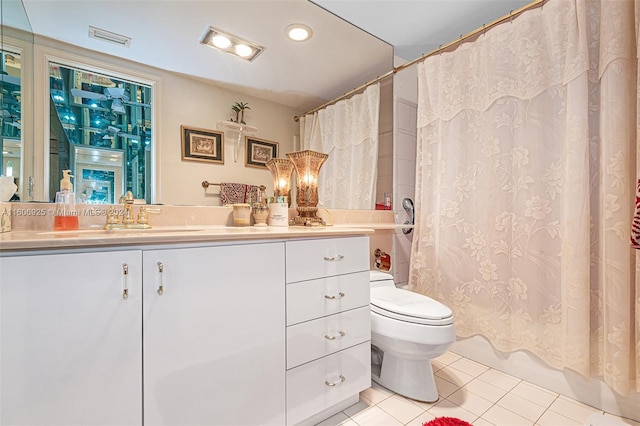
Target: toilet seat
404, 305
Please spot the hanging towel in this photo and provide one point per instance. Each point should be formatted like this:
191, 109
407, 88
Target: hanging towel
231, 193
635, 223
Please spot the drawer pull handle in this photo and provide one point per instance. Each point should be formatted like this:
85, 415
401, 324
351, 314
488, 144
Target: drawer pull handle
339, 296
340, 334
160, 272
342, 379
334, 259
125, 281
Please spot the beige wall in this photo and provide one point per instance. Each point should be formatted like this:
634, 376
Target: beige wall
200, 104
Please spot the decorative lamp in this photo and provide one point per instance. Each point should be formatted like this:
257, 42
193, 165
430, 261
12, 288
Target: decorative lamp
307, 164
281, 169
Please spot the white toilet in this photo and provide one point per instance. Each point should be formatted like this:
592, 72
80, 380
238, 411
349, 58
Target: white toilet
408, 330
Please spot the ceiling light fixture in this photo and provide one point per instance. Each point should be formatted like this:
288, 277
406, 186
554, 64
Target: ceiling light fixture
299, 32
230, 43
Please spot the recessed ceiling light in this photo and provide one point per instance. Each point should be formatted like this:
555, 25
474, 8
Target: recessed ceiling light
243, 50
220, 41
230, 43
299, 32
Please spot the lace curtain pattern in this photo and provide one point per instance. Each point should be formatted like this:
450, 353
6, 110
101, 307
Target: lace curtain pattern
348, 132
526, 169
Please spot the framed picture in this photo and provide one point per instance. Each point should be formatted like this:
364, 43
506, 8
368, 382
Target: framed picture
202, 145
259, 151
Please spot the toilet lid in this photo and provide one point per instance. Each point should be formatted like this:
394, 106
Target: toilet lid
409, 306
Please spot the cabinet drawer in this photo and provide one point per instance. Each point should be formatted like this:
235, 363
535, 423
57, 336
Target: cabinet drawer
314, 339
309, 300
311, 259
316, 386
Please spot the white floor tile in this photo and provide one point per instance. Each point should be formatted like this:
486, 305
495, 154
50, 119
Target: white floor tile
401, 408
445, 387
499, 379
572, 409
437, 365
534, 394
454, 375
482, 422
521, 406
551, 418
374, 416
501, 416
446, 408
470, 401
362, 405
469, 367
622, 420
602, 419
339, 419
485, 390
447, 358
421, 419
376, 393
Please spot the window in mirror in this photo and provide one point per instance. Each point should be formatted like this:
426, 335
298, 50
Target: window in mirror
10, 116
106, 119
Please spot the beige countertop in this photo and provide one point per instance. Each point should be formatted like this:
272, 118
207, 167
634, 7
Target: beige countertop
18, 240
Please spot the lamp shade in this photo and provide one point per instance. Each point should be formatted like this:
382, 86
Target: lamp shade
307, 164
281, 170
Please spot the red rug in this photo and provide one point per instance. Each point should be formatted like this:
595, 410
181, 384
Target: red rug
447, 421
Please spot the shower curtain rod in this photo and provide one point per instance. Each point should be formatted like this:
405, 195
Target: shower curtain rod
441, 48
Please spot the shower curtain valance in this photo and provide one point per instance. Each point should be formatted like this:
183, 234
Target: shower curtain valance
506, 61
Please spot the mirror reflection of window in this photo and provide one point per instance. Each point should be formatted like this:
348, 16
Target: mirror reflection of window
10, 116
108, 117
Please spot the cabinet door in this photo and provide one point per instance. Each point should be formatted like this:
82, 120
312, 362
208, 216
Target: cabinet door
214, 335
70, 343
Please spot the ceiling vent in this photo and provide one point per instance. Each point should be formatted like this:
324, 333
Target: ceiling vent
105, 35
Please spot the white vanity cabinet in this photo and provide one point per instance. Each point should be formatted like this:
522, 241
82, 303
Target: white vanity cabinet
70, 341
328, 326
214, 335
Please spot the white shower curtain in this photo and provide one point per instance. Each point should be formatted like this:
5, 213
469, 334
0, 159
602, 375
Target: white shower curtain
348, 132
526, 167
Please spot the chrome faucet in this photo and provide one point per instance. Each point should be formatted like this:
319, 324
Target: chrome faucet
127, 221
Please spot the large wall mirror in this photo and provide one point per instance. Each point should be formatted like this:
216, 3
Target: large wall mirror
12, 79
99, 99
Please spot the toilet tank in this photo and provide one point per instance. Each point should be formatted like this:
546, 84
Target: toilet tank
381, 279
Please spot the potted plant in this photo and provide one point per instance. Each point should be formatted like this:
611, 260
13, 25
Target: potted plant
239, 108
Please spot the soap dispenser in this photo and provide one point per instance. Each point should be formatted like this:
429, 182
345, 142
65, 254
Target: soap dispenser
66, 215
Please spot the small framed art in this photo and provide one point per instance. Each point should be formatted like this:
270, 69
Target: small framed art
259, 151
202, 145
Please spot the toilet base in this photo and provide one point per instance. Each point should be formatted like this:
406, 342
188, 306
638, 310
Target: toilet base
410, 378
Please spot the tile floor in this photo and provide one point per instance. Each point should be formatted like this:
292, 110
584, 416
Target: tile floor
475, 393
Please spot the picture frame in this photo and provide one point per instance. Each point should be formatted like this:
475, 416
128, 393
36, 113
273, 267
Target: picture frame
259, 151
202, 145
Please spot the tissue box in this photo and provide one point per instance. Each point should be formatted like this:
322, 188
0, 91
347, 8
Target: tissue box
5, 217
